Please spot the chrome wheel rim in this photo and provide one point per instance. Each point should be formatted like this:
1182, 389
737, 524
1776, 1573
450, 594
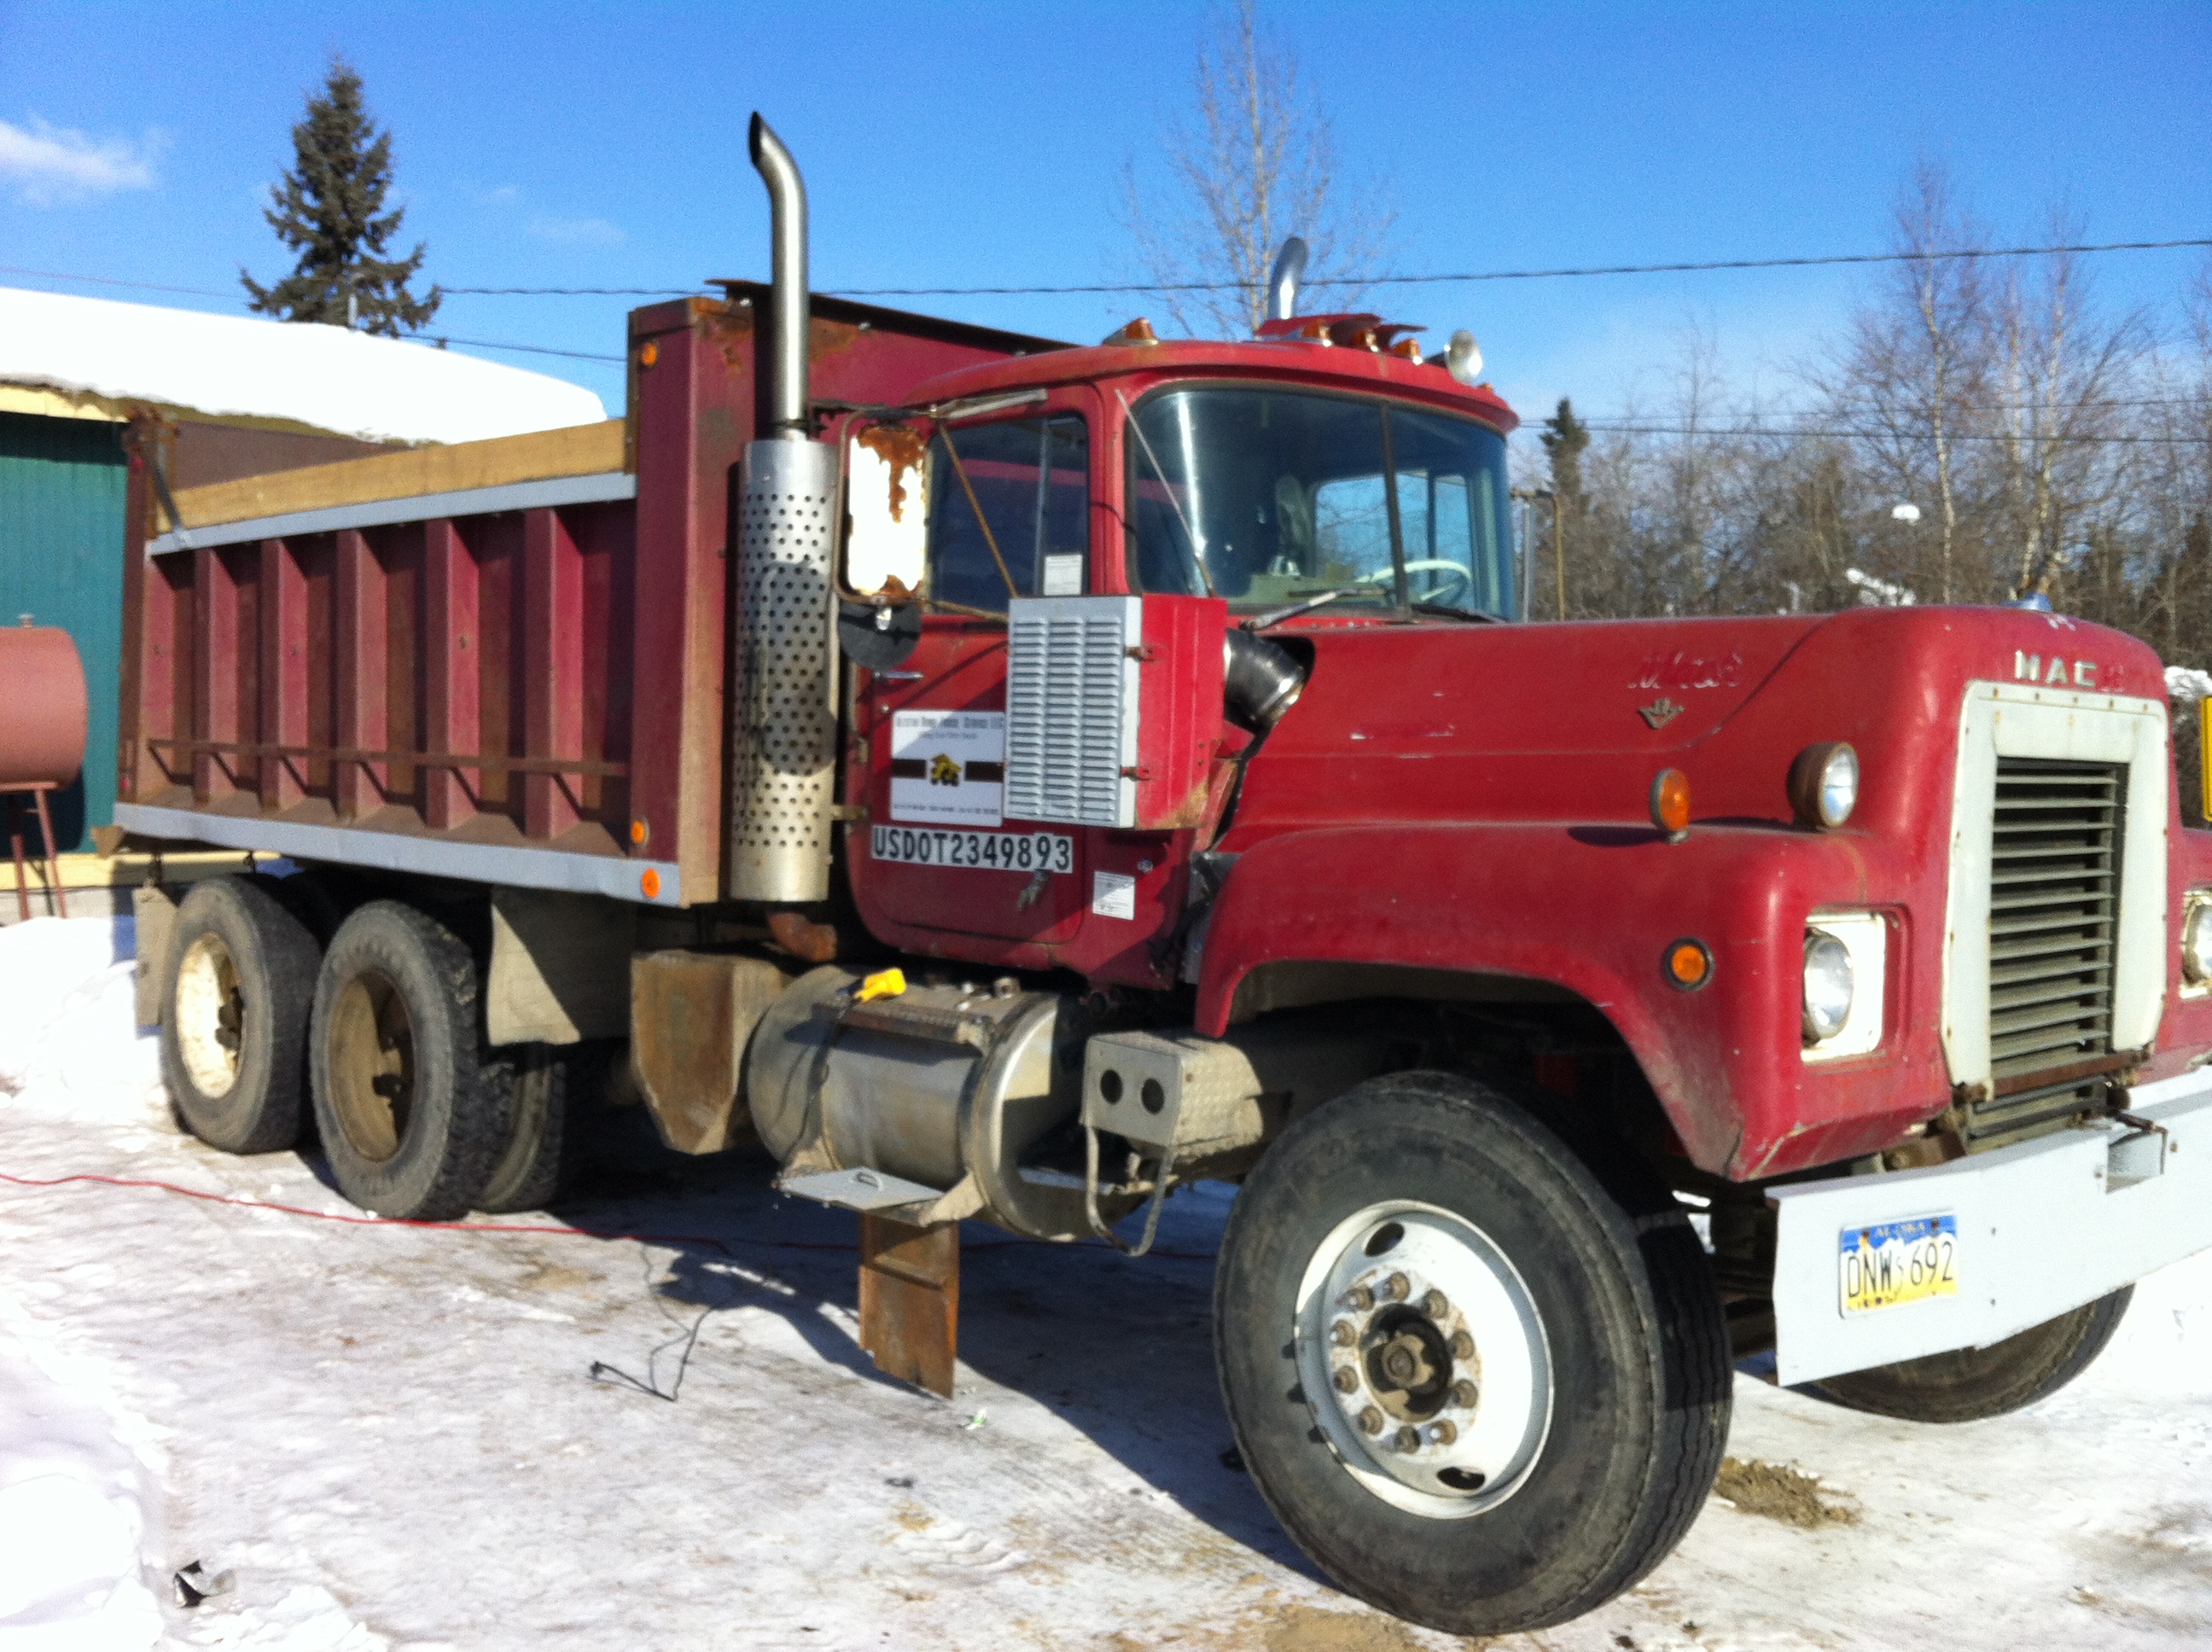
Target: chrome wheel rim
1424, 1360
210, 1015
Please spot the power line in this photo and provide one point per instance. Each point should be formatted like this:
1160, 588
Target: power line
439, 339
1234, 286
109, 281
1371, 280
1876, 435
576, 292
1526, 275
442, 340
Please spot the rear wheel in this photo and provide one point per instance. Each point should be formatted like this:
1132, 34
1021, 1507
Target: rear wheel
554, 1088
1972, 1383
1481, 1379
241, 971
413, 1121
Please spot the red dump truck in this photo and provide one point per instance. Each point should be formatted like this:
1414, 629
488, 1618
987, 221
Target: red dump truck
1009, 781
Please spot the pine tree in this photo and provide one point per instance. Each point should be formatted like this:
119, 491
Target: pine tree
329, 209
1564, 437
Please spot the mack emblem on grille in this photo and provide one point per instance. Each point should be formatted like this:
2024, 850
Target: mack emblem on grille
2051, 673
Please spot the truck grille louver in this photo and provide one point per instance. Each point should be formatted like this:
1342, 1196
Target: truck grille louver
2054, 913
1072, 709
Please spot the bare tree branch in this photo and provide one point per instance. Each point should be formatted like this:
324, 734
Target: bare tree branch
1250, 163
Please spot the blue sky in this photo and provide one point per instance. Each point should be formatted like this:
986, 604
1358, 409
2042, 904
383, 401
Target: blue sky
546, 145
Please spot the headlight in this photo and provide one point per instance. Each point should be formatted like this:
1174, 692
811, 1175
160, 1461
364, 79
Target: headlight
1824, 785
1827, 985
2196, 943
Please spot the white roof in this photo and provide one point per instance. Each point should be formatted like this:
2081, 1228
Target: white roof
347, 383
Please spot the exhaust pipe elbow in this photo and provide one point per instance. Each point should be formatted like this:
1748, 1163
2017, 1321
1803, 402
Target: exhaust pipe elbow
1283, 280
787, 197
1262, 680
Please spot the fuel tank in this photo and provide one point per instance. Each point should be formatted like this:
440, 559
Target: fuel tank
42, 727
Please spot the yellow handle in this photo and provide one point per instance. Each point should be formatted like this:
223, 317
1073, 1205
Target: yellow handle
884, 983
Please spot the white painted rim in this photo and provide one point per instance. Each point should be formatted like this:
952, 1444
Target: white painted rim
209, 1013
1461, 1459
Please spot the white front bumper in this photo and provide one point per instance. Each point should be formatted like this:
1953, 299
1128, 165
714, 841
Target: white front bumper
2043, 1227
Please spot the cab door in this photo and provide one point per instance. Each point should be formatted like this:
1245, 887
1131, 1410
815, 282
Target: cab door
1009, 503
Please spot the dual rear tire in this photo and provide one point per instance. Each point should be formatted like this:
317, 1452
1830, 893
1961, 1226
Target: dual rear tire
377, 1037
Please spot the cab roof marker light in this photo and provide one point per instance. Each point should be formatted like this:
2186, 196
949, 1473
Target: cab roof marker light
1461, 357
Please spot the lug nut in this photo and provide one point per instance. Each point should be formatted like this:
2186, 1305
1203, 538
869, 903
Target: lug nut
1359, 1296
1462, 1345
1345, 1379
1344, 1333
1463, 1393
1409, 1439
1397, 1287
1435, 1305
1443, 1433
1371, 1421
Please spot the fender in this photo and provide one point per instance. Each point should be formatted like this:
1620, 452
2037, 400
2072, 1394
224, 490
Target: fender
1592, 909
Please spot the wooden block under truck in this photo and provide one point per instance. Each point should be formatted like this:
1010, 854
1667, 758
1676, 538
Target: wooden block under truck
1009, 781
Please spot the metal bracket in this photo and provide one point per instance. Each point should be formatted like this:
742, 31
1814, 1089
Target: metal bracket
862, 1190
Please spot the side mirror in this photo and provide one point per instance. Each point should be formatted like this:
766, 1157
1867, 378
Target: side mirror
886, 510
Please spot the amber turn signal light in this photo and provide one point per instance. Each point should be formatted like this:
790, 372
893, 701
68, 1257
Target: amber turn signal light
639, 832
1689, 965
648, 885
1670, 803
647, 353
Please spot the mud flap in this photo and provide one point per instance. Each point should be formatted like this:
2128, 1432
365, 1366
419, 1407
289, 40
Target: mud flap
910, 1300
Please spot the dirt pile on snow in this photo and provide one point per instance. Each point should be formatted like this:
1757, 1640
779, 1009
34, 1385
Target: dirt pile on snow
1779, 1492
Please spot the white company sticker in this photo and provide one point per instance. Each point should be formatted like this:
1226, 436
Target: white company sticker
948, 767
1113, 895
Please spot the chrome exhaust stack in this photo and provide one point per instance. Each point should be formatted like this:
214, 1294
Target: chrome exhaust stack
784, 607
788, 319
1284, 279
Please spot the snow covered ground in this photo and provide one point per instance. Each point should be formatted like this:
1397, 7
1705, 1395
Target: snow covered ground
395, 1437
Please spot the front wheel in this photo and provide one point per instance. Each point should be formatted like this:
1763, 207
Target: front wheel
1482, 1383
1972, 1383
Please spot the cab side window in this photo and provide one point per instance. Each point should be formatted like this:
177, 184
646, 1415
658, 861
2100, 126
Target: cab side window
1029, 480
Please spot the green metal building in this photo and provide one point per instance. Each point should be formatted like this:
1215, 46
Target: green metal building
61, 563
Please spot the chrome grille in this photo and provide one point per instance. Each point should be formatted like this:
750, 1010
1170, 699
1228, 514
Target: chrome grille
2054, 913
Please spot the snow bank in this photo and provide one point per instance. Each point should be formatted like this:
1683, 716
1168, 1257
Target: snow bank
70, 1044
349, 383
73, 1518
2184, 686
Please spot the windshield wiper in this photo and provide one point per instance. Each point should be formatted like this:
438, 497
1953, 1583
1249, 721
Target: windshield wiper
1277, 616
1448, 611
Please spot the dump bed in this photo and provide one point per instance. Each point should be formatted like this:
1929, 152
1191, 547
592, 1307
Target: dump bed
502, 661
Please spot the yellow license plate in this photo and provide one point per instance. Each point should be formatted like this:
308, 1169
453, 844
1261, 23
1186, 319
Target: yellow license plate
1896, 1262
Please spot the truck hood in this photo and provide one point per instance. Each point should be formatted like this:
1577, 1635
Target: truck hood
1571, 722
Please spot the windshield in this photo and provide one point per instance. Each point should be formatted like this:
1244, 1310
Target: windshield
1269, 497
